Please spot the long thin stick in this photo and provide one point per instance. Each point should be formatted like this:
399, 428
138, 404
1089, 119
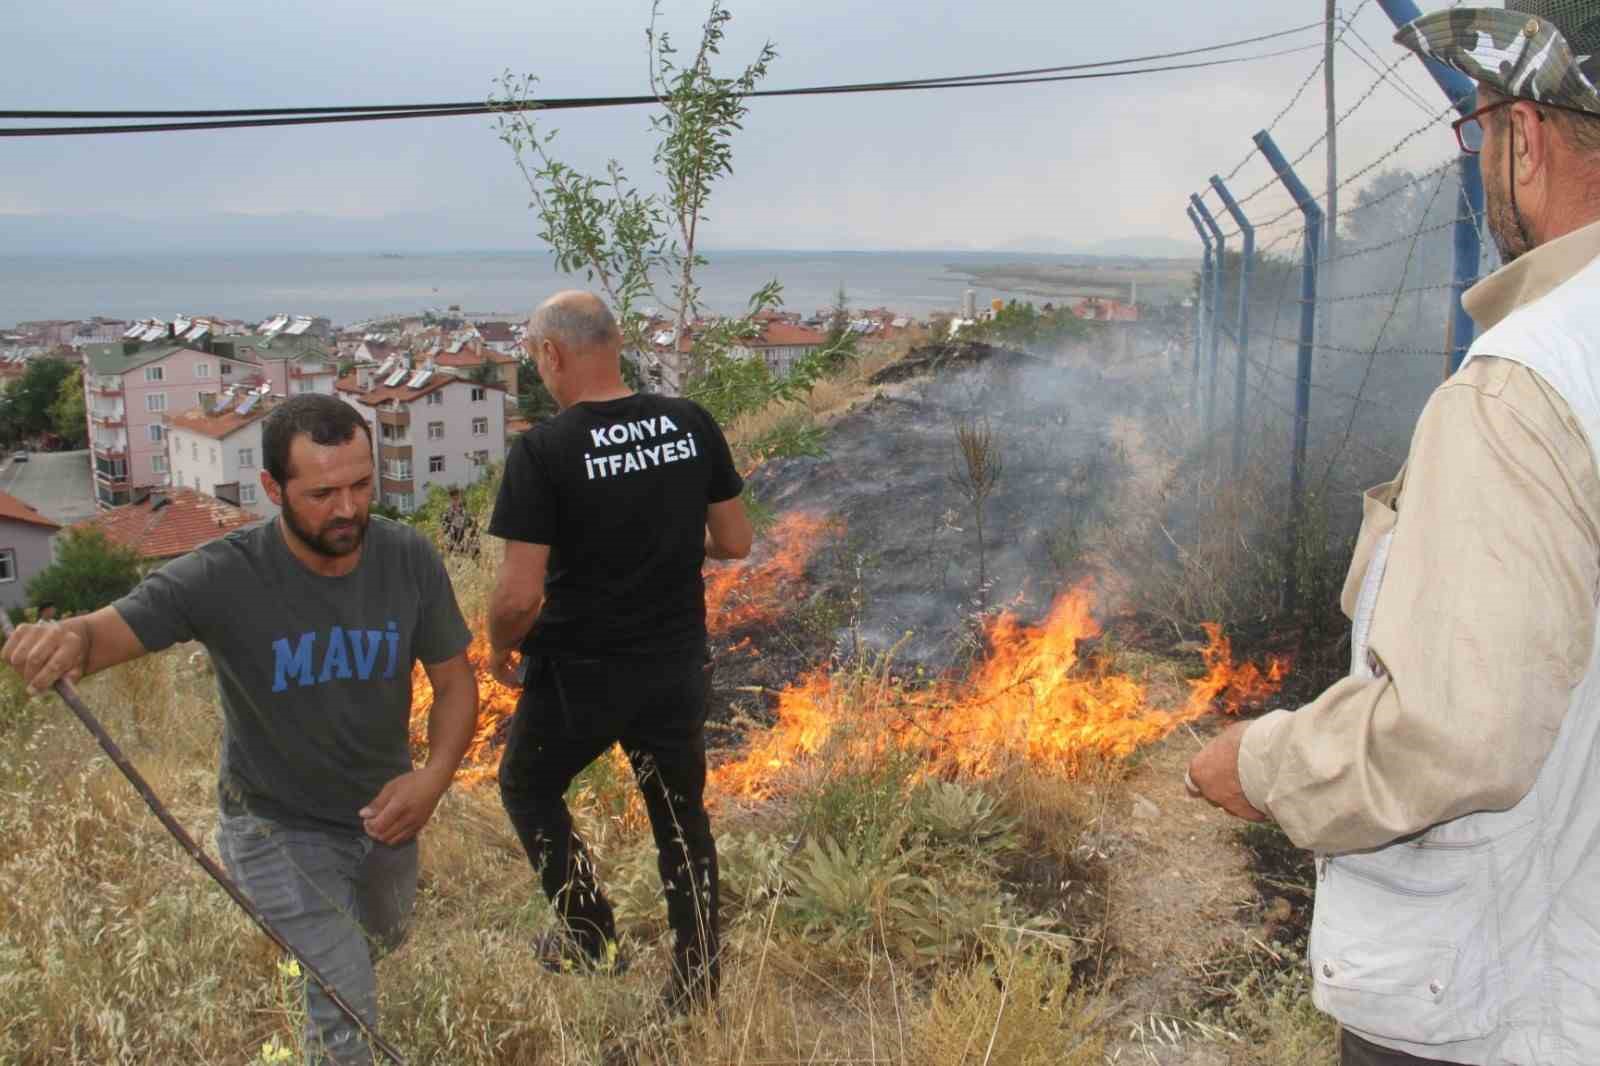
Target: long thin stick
69, 696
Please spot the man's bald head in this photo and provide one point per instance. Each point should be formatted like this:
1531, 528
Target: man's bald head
579, 322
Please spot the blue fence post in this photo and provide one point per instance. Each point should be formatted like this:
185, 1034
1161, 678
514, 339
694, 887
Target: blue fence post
1202, 320
1308, 334
1462, 92
1247, 257
1219, 270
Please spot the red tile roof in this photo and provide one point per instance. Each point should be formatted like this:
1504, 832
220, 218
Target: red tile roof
473, 357
499, 332
17, 511
186, 520
787, 334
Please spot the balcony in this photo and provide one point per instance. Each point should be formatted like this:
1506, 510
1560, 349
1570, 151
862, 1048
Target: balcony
106, 386
398, 418
395, 486
312, 371
116, 449
109, 419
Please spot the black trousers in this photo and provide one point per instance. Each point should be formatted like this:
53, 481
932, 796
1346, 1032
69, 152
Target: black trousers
571, 711
1354, 1051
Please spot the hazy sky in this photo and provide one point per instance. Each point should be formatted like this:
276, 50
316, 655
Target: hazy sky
1036, 166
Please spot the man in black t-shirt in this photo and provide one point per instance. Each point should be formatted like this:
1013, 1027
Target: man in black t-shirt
609, 511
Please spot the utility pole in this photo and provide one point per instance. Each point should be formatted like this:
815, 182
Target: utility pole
1331, 241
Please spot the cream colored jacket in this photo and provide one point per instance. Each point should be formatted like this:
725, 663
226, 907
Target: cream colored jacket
1451, 784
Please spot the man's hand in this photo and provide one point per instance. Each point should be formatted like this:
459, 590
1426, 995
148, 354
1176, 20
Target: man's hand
404, 806
503, 669
44, 653
1214, 774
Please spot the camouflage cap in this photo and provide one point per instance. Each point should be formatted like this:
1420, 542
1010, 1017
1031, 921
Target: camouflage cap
1547, 51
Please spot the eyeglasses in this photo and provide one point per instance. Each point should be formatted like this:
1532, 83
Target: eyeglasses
1469, 130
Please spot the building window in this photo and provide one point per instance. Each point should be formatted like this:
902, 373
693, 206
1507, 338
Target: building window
158, 463
435, 464
478, 393
158, 432
8, 564
194, 451
392, 434
436, 399
213, 459
247, 457
155, 373
202, 370
400, 501
399, 469
480, 427
480, 459
155, 402
436, 431
247, 494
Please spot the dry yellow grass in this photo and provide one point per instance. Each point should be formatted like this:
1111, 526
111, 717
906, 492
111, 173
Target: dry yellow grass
115, 948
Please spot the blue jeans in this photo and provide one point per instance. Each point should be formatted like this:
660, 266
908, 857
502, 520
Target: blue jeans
342, 900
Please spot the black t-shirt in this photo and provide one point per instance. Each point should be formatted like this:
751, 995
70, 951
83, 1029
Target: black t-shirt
618, 489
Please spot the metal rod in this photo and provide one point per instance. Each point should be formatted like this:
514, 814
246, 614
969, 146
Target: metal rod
1201, 318
1462, 93
69, 696
1308, 333
1218, 270
1246, 271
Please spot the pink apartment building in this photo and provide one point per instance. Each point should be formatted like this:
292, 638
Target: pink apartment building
131, 386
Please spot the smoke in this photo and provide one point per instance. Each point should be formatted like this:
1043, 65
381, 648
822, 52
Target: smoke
910, 558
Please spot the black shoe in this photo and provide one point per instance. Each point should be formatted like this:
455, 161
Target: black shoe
558, 953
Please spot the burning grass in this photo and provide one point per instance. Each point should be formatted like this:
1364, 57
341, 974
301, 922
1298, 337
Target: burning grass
1024, 701
915, 868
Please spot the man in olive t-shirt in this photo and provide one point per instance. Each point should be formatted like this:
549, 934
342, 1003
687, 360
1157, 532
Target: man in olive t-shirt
312, 622
609, 510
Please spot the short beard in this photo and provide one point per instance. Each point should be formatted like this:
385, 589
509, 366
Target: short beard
1506, 225
321, 542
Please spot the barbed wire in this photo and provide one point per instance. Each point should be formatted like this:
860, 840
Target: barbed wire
1398, 80
1381, 245
1298, 93
1434, 352
1322, 197
1379, 294
1394, 309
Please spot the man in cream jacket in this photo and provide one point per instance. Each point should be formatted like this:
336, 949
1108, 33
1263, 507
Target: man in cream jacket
1450, 786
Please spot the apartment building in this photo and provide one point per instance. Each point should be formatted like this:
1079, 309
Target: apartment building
429, 427
472, 360
165, 367
215, 448
781, 344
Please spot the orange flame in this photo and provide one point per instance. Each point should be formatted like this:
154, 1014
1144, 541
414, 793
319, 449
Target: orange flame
745, 593
753, 592
1026, 701
1021, 703
496, 704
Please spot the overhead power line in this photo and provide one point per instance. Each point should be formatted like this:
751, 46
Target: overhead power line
254, 117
